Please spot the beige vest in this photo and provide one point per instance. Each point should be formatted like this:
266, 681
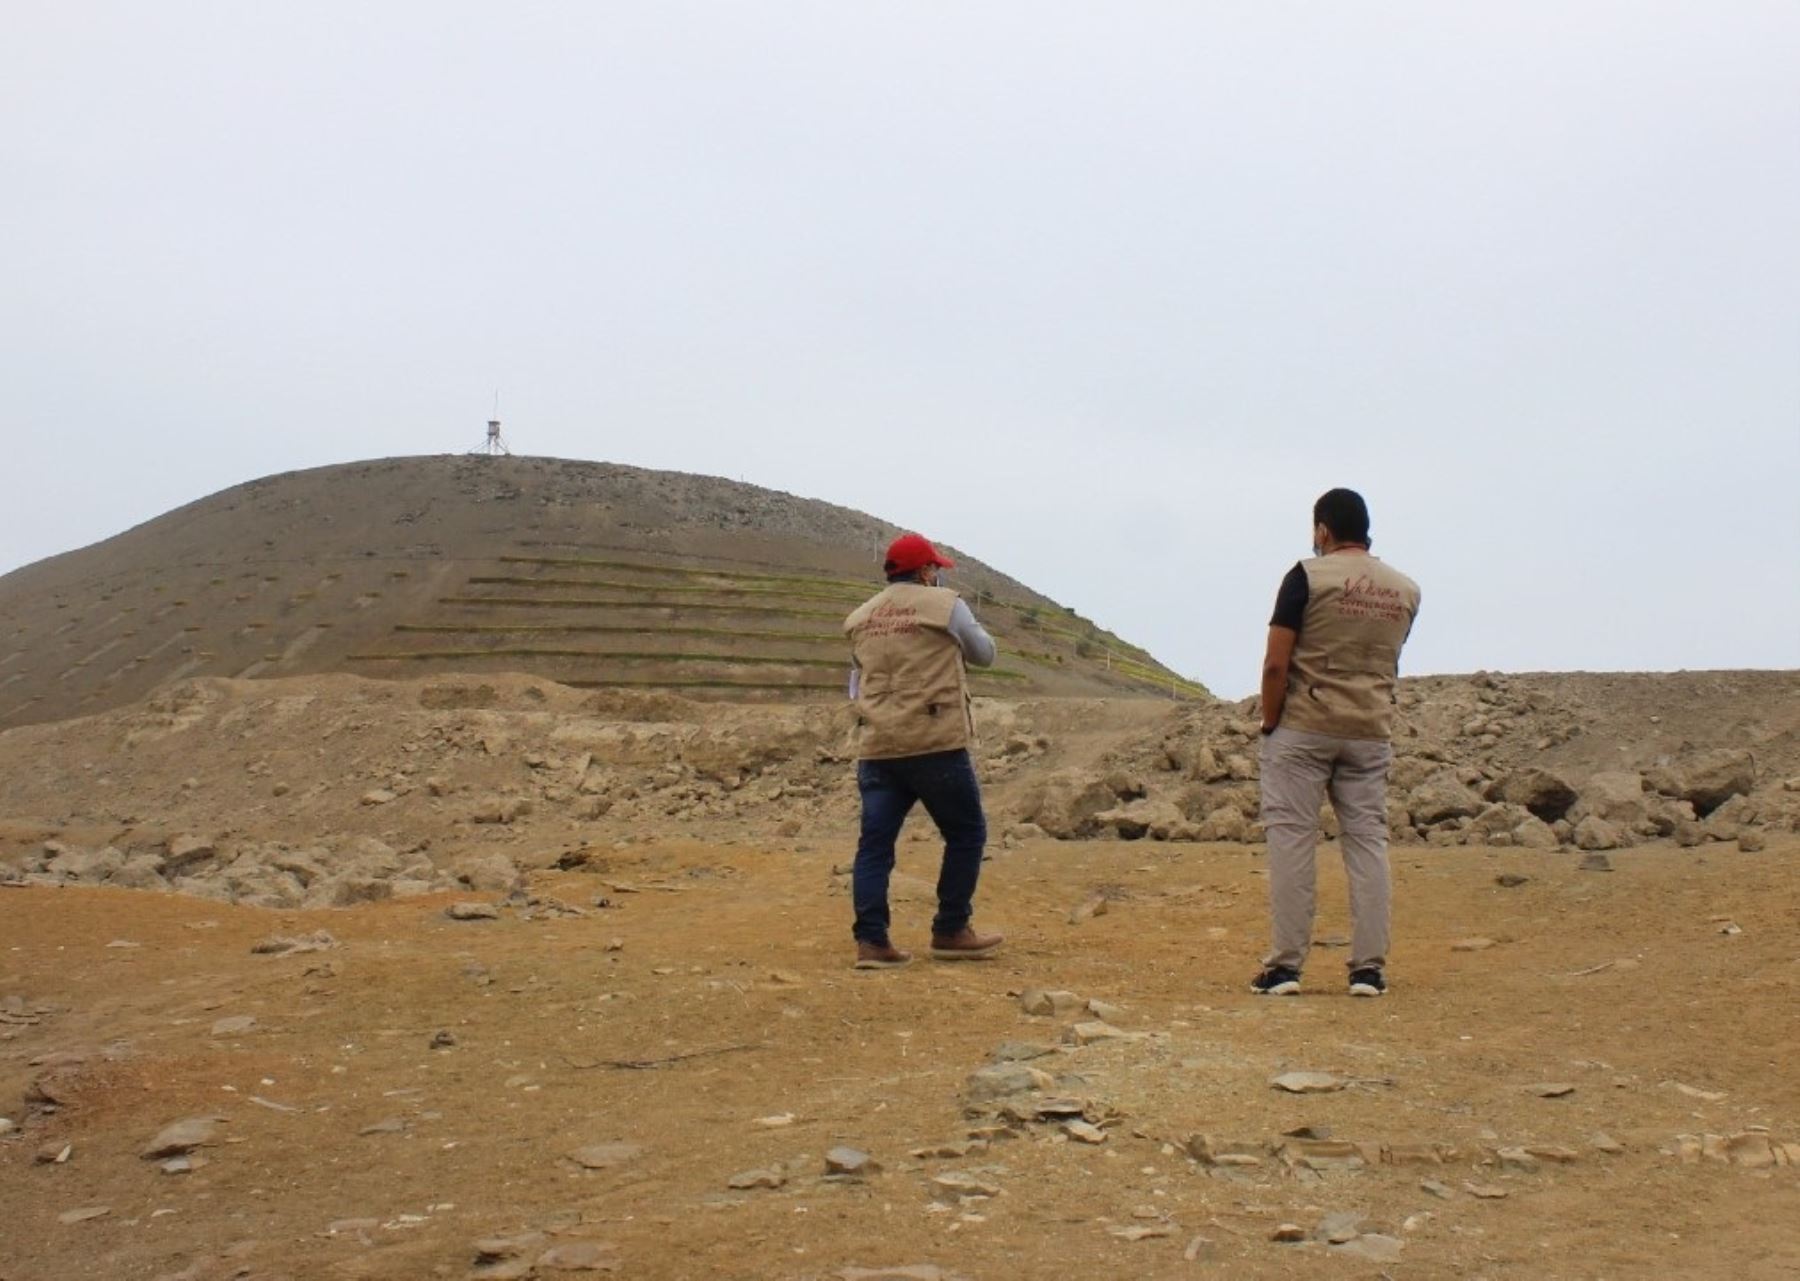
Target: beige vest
913, 695
1347, 660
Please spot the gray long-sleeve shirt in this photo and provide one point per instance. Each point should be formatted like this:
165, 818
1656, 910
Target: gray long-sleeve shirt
970, 636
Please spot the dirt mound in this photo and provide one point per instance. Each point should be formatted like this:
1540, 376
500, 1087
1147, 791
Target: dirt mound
330, 791
587, 573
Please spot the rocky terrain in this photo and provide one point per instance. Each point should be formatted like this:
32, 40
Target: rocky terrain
327, 792
472, 972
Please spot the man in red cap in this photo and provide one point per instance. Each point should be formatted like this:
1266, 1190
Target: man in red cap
910, 646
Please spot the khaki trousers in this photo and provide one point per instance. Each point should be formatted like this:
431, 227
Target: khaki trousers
1299, 769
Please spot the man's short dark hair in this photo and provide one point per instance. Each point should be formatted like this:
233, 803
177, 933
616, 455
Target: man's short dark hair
1344, 513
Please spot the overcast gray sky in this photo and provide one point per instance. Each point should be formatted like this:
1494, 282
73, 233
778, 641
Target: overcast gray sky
1105, 294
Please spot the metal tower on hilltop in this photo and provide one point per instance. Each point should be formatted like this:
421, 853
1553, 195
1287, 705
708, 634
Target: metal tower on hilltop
495, 444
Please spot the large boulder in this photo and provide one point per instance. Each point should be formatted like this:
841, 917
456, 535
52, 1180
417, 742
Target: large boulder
1159, 820
1535, 834
1616, 796
1597, 834
1067, 803
1707, 780
1546, 795
1442, 797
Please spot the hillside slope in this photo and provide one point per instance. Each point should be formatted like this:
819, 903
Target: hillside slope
590, 574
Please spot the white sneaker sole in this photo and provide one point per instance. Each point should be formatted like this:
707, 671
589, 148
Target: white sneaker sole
1363, 989
1280, 989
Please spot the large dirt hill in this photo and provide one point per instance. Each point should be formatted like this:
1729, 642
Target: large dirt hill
588, 573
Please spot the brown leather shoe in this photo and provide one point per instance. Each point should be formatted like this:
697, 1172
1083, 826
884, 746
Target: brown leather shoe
965, 945
880, 956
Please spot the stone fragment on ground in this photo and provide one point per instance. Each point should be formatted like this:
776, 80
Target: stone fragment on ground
83, 1214
746, 1180
962, 1184
846, 1162
1083, 1132
507, 1258
906, 1272
605, 1156
472, 912
1551, 1089
236, 1025
1054, 1003
282, 945
580, 1256
1307, 1083
182, 1136
997, 1082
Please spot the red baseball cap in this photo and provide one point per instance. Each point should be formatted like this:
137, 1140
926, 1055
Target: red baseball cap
911, 552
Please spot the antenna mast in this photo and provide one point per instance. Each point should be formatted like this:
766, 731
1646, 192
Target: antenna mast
495, 444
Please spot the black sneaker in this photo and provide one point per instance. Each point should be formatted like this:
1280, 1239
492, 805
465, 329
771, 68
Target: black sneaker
1367, 982
1277, 980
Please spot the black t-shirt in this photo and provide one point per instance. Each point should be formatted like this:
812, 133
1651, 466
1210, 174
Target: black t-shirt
1290, 600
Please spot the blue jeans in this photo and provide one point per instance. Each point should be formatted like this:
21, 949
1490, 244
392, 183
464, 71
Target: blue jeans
945, 783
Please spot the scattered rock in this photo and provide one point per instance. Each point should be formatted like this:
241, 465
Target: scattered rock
1005, 1079
1486, 1191
56, 1152
1307, 1083
961, 1184
580, 1256
442, 1040
1082, 1132
236, 1025
389, 1125
1288, 1234
1472, 945
1093, 1030
850, 1163
910, 1272
1752, 841
281, 945
377, 796
606, 1156
1552, 1089
472, 912
1375, 1246
1144, 1231
1604, 1142
1596, 862
182, 1137
507, 1258
746, 1180
1442, 1191
1512, 880
84, 1214
1090, 907
1057, 1004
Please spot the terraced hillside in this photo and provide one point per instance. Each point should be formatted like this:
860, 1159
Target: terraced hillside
589, 574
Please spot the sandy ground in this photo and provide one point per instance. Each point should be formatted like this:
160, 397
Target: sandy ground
1677, 969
